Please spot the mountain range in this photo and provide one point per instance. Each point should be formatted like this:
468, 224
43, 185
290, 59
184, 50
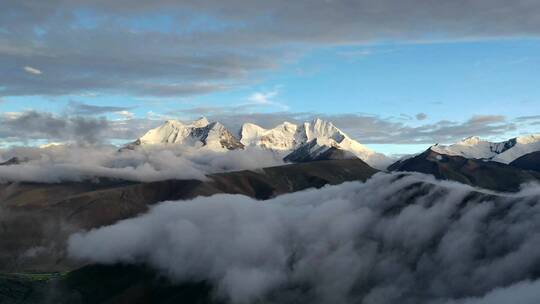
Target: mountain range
503, 152
320, 140
500, 166
309, 141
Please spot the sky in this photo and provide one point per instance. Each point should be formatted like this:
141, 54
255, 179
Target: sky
397, 76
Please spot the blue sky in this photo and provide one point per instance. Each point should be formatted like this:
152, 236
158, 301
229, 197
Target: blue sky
398, 78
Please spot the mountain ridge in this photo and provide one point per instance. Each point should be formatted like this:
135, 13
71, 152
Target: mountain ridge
285, 138
503, 152
475, 172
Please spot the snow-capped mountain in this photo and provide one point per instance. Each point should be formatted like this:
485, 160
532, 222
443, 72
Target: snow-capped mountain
313, 151
504, 152
308, 141
281, 138
199, 133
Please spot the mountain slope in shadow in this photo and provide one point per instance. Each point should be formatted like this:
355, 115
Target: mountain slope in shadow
529, 161
475, 172
36, 219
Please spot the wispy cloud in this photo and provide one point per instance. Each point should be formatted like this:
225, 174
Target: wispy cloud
265, 98
79, 108
125, 114
32, 70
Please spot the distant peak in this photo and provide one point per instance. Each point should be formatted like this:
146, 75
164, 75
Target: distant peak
250, 124
201, 122
319, 121
471, 140
527, 139
173, 122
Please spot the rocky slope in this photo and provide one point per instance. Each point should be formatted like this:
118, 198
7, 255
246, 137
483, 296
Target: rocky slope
480, 173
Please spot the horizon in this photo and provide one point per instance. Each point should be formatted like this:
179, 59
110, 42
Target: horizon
236, 130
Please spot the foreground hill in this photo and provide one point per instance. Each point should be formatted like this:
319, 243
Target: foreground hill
37, 218
475, 172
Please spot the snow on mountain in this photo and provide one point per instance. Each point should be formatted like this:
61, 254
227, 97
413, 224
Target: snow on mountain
282, 137
504, 152
199, 133
52, 145
314, 150
308, 141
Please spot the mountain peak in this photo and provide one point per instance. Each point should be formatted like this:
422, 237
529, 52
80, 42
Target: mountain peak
504, 152
281, 137
471, 140
197, 133
318, 120
527, 139
201, 122
286, 137
173, 122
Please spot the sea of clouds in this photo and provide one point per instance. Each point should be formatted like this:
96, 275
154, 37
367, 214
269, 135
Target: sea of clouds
76, 163
397, 238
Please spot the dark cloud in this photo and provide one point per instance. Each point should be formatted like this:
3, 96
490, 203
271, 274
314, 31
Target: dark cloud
79, 108
374, 129
368, 129
38, 125
421, 116
527, 118
197, 47
532, 120
371, 129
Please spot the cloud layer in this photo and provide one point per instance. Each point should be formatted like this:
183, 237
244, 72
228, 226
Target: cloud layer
172, 48
395, 238
83, 124
71, 163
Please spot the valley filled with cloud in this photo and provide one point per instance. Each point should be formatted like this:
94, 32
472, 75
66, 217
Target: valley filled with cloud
403, 238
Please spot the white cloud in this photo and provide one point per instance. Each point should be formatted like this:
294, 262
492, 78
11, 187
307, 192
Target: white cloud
32, 70
266, 99
125, 114
262, 97
55, 164
398, 238
524, 292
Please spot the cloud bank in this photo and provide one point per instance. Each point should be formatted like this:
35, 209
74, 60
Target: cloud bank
73, 163
64, 47
396, 238
29, 125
